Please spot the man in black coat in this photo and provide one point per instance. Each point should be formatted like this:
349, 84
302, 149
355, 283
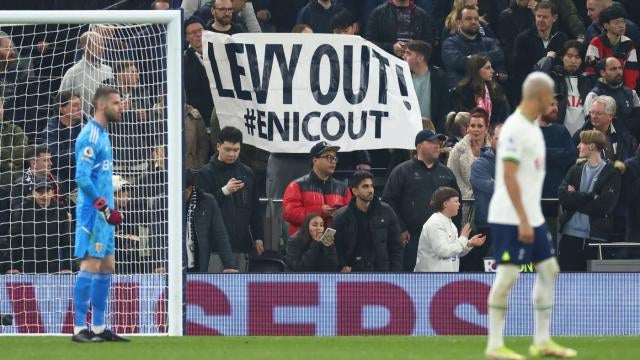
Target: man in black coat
533, 44
391, 34
409, 189
195, 77
367, 230
234, 186
206, 235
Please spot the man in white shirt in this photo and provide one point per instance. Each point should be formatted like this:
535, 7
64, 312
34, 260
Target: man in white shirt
518, 227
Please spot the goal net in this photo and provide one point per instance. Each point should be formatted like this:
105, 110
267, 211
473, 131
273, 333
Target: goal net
48, 75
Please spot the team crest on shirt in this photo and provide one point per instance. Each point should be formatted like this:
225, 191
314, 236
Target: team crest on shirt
87, 153
98, 247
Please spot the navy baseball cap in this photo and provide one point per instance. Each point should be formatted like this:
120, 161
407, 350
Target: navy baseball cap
428, 135
322, 147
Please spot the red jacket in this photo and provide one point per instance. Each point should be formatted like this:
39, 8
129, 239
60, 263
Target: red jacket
600, 48
307, 195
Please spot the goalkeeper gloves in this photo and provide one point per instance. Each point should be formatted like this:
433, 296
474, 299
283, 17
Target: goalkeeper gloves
111, 216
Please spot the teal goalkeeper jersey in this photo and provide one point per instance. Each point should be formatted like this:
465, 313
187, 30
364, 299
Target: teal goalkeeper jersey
94, 170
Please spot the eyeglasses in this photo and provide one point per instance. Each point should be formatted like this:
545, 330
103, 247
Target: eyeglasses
330, 158
194, 32
228, 10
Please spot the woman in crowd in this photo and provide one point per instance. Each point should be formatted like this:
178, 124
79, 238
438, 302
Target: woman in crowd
308, 251
440, 247
466, 151
479, 88
589, 194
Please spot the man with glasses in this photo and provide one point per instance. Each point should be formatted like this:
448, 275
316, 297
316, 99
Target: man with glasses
222, 22
317, 192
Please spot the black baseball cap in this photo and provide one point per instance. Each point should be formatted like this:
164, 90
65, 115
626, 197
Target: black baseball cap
428, 135
193, 20
322, 147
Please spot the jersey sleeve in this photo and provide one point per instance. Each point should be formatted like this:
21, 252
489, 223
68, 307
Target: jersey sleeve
511, 145
86, 153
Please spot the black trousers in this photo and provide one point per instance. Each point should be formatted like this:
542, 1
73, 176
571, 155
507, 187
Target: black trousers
573, 253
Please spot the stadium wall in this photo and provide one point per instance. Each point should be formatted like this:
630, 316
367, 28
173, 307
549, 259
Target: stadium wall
330, 304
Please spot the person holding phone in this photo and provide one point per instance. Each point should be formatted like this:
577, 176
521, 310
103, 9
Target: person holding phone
440, 248
312, 248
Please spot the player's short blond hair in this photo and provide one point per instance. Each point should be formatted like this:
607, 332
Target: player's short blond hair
535, 84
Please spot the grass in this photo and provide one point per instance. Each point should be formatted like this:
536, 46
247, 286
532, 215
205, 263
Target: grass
306, 348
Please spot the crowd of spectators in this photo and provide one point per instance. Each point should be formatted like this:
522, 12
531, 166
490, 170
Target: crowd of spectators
468, 59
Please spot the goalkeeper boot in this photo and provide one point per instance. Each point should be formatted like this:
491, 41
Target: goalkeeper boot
85, 336
503, 353
551, 349
108, 335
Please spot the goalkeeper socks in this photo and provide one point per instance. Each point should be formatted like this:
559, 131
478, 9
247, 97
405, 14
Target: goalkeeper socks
506, 276
542, 295
99, 295
81, 293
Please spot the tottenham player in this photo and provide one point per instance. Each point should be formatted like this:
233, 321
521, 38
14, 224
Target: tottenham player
96, 219
518, 229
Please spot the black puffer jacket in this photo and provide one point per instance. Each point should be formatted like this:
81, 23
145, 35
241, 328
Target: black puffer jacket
385, 237
310, 256
599, 204
240, 210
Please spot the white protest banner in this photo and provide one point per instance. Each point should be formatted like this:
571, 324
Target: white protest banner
286, 92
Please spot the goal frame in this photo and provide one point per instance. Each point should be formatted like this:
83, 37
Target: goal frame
173, 20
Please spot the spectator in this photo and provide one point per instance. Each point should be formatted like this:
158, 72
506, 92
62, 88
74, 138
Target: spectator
89, 73
457, 49
613, 43
440, 248
301, 29
317, 14
572, 85
429, 81
278, 15
243, 13
595, 29
161, 5
196, 138
570, 22
40, 239
14, 78
207, 244
13, 144
317, 192
482, 179
456, 126
367, 230
452, 20
195, 77
589, 193
513, 21
409, 189
620, 144
60, 137
222, 21
479, 89
39, 167
342, 22
561, 154
307, 250
631, 197
392, 24
533, 44
466, 151
627, 103
234, 186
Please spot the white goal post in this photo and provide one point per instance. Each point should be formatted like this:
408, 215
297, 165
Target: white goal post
171, 20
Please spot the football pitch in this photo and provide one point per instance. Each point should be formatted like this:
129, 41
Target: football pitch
305, 348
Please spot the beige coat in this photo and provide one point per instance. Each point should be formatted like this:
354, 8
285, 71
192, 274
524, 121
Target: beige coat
198, 147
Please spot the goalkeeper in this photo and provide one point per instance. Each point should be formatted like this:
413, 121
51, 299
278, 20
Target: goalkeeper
96, 219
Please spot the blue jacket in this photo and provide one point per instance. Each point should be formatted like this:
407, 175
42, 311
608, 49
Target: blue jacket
483, 173
561, 155
456, 49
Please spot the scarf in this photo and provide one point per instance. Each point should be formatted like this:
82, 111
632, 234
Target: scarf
191, 231
485, 101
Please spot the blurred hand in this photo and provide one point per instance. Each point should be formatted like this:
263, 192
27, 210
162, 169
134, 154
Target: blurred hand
477, 240
345, 269
525, 233
263, 15
259, 247
13, 271
363, 167
142, 115
234, 185
551, 54
571, 188
230, 271
126, 104
399, 48
466, 230
328, 210
405, 237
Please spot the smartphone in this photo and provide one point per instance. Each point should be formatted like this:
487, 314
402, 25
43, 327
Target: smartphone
329, 233
242, 178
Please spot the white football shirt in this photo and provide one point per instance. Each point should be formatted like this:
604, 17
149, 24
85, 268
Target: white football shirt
520, 141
